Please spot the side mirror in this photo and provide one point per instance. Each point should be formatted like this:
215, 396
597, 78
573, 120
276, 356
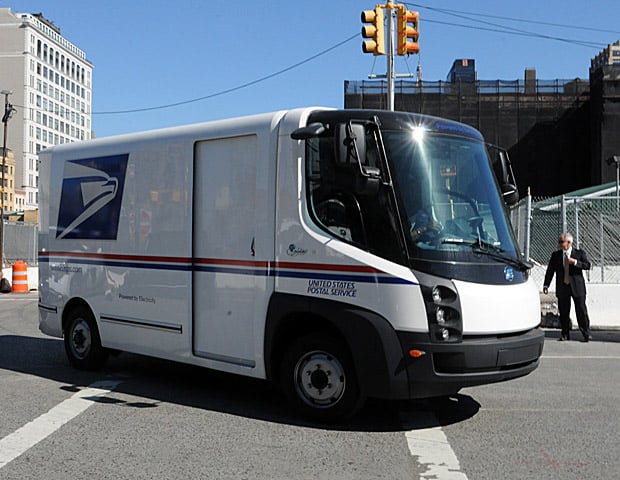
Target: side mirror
351, 151
350, 142
309, 131
505, 176
368, 182
510, 194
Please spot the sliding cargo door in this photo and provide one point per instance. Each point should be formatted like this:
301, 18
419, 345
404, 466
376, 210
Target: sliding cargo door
232, 245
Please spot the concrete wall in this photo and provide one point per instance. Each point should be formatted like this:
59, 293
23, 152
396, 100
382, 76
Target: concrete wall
33, 277
603, 301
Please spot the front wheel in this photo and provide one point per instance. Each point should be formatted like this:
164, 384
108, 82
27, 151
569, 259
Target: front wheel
82, 340
318, 378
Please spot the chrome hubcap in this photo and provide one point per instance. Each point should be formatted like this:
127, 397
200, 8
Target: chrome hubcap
80, 338
319, 379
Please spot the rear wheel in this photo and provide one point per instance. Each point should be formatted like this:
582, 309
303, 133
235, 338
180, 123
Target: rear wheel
318, 378
82, 340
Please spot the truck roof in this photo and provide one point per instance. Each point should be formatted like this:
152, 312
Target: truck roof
213, 128
388, 120
398, 121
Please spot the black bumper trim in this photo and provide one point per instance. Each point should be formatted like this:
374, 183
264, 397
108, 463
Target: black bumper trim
446, 368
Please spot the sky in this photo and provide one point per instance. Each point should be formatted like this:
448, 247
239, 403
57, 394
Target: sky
160, 63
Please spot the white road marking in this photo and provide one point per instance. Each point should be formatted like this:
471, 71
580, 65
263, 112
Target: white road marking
584, 357
26, 437
431, 449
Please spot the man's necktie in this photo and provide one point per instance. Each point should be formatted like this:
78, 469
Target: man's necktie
566, 267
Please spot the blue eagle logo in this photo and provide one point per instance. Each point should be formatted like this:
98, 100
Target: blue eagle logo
90, 201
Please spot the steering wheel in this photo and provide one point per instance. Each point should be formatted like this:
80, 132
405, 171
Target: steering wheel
433, 229
332, 212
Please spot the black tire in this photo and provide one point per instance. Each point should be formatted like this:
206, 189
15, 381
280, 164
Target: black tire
318, 378
82, 340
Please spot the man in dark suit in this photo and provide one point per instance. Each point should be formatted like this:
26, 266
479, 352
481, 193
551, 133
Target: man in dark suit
567, 264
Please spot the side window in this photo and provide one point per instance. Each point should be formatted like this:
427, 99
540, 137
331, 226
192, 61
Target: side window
332, 205
341, 208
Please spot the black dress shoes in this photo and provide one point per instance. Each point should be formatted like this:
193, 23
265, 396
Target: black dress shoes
563, 338
587, 338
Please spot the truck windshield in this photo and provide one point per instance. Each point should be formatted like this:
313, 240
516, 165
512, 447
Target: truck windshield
435, 207
448, 195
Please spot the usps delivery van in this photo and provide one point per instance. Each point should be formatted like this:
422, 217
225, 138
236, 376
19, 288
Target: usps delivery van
343, 254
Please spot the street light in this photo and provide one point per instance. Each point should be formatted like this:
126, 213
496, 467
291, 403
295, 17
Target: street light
615, 160
8, 111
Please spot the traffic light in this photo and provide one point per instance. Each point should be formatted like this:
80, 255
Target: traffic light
374, 31
407, 30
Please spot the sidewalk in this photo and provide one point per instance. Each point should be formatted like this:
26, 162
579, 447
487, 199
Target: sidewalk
605, 335
603, 301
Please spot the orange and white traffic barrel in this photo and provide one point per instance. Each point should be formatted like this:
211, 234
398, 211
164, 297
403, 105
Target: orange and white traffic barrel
20, 277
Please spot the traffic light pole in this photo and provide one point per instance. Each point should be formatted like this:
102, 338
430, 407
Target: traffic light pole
407, 29
5, 120
390, 56
8, 111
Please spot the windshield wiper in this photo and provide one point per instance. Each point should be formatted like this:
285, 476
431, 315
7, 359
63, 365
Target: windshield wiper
487, 248
478, 243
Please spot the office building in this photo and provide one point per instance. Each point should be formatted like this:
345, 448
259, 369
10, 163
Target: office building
13, 200
608, 56
51, 83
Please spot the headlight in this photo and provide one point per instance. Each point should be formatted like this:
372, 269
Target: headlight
440, 316
443, 312
443, 308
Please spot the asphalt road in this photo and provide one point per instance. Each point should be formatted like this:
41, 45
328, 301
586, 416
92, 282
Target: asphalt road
145, 418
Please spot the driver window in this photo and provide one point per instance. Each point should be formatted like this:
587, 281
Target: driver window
364, 219
335, 209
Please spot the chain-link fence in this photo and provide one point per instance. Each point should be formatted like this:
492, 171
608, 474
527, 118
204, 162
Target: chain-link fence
20, 242
593, 221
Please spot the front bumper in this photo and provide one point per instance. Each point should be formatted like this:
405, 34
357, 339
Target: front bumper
445, 368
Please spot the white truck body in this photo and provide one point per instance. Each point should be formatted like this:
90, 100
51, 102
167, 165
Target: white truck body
198, 244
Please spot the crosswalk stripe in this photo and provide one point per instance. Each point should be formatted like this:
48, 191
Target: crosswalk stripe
26, 437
